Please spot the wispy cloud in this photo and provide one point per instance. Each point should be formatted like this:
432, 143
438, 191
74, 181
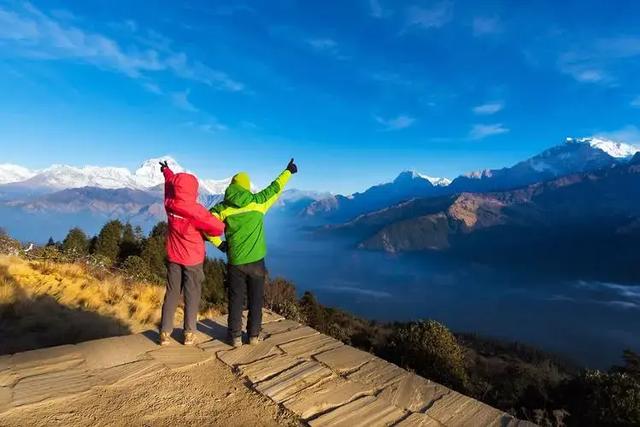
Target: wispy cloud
435, 16
181, 100
395, 123
598, 62
481, 131
635, 102
488, 108
484, 25
29, 32
326, 46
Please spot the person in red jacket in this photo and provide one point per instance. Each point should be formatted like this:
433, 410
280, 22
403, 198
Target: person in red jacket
188, 222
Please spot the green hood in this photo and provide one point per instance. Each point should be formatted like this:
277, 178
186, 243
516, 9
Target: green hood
237, 196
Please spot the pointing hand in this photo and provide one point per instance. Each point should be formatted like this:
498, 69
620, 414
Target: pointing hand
163, 165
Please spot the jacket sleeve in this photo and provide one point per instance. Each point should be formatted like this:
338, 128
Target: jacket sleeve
214, 240
206, 223
168, 189
267, 197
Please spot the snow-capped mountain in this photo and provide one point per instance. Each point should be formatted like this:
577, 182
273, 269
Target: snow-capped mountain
63, 177
407, 185
576, 155
13, 173
618, 150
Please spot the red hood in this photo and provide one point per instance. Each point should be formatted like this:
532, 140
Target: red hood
185, 187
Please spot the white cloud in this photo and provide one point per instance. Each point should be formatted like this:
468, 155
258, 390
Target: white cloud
29, 32
152, 87
597, 63
488, 108
481, 131
435, 16
636, 102
483, 25
629, 134
323, 44
396, 123
181, 100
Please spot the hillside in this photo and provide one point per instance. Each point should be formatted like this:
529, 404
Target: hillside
582, 217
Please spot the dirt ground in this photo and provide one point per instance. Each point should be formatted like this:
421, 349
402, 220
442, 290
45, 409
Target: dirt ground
205, 395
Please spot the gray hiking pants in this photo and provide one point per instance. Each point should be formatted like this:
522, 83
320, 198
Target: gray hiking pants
188, 280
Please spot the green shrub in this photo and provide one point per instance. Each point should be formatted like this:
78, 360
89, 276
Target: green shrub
137, 269
602, 399
431, 350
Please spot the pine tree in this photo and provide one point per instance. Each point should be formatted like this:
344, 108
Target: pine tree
108, 242
130, 244
76, 243
153, 251
51, 242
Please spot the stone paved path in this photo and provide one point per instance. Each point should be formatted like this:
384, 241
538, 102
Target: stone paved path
320, 379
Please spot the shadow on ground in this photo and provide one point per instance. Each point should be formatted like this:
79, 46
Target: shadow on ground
31, 323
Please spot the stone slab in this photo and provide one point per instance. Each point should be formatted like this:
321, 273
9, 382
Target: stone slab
273, 328
419, 420
378, 373
266, 368
477, 413
514, 422
107, 352
292, 381
50, 355
269, 316
344, 359
5, 362
449, 406
52, 365
52, 385
176, 357
413, 393
325, 396
123, 374
295, 334
8, 378
247, 354
368, 411
214, 346
6, 395
306, 347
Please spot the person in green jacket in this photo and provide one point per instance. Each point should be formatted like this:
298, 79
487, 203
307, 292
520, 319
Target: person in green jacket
243, 213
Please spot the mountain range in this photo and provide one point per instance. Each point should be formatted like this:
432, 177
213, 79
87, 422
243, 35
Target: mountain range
375, 216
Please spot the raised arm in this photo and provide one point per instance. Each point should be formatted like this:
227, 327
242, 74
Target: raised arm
267, 197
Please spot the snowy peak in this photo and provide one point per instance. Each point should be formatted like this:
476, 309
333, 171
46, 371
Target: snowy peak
13, 173
148, 173
617, 150
411, 175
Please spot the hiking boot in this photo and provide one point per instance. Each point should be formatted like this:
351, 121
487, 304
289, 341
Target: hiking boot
235, 342
255, 340
165, 338
189, 338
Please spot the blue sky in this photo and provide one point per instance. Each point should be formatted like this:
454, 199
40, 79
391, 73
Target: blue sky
355, 90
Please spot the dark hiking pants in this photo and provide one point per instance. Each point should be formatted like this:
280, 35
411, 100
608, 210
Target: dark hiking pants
246, 279
188, 280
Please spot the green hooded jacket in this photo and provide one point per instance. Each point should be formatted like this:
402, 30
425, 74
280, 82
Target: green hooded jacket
243, 212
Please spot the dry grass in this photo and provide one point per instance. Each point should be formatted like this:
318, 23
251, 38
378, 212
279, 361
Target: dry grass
44, 303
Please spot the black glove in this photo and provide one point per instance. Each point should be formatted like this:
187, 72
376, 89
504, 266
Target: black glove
292, 167
163, 165
223, 246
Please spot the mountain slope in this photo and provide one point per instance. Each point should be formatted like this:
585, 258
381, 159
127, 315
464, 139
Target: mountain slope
591, 219
576, 155
407, 185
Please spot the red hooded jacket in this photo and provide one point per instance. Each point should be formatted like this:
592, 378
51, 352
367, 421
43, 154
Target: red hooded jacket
187, 219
